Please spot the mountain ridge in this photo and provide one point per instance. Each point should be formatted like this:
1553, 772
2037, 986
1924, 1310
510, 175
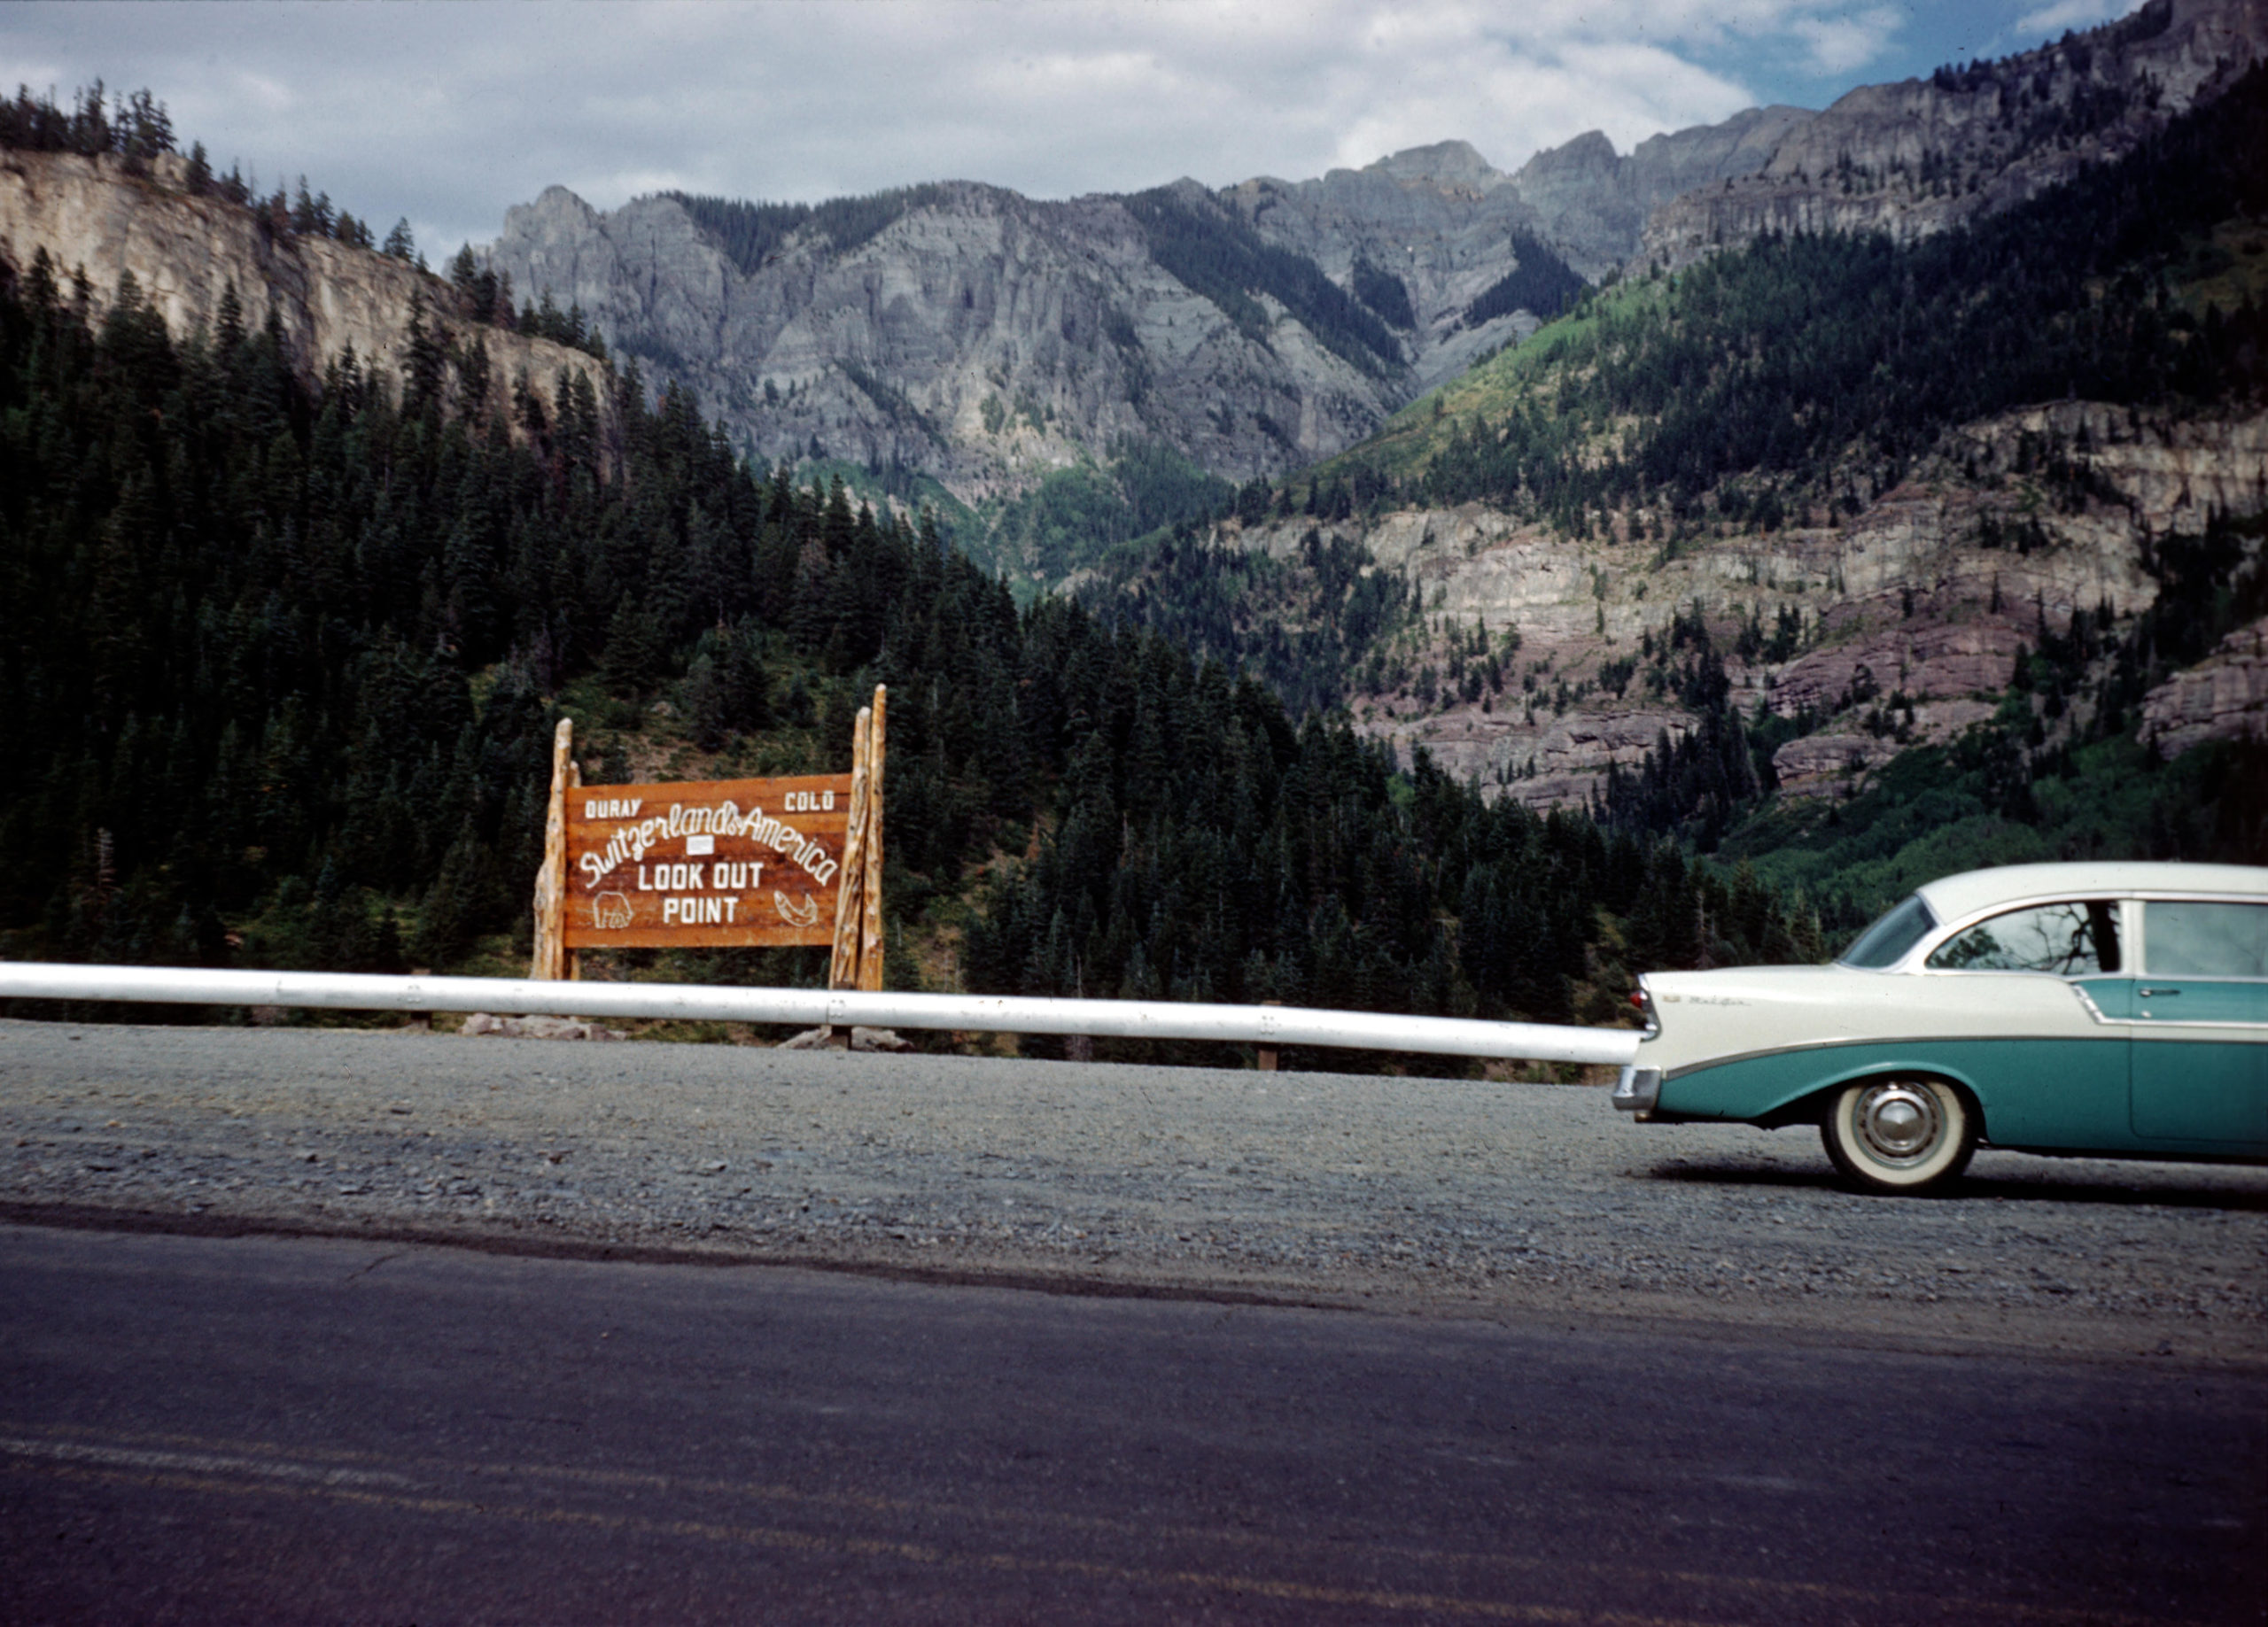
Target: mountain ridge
1013, 338
1060, 315
1828, 492
188, 253
1917, 156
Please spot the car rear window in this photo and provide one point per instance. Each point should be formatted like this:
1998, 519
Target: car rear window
2201, 939
1886, 942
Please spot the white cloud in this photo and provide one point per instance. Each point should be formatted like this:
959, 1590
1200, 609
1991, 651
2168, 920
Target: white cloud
1839, 44
2071, 14
449, 114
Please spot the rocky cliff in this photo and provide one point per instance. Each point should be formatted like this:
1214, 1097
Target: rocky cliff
2223, 697
981, 337
1922, 155
1440, 218
1596, 204
985, 338
95, 216
1909, 613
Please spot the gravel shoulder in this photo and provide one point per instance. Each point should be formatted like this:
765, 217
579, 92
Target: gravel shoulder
1421, 1195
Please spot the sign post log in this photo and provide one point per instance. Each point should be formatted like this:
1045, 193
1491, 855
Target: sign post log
549, 962
870, 922
573, 958
850, 893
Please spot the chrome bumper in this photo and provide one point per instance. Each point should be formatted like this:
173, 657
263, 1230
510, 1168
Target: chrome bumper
1638, 1089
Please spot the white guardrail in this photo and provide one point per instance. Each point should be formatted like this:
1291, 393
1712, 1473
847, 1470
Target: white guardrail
1142, 1020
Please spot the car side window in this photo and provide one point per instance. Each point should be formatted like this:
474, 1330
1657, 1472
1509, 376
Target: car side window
2201, 939
2079, 939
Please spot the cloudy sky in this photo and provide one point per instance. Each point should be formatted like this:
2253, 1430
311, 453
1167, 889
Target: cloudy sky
447, 114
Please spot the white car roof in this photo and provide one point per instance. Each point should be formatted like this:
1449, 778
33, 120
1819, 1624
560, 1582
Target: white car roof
1953, 897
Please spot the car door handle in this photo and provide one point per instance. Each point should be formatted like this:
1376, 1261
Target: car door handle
2157, 994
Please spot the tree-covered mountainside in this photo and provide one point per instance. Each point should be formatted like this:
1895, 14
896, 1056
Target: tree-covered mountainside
1798, 382
1820, 366
2058, 770
284, 660
1301, 866
275, 643
1302, 626
2075, 687
284, 648
1915, 158
1073, 517
1384, 292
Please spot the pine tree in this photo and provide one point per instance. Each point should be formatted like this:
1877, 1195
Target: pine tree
633, 656
424, 368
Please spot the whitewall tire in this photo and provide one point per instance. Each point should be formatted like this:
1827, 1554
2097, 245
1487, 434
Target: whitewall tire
1899, 1135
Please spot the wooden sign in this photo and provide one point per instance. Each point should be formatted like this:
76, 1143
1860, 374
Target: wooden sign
725, 863
705, 865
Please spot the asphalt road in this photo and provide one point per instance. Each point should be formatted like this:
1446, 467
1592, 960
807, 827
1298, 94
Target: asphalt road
270, 1429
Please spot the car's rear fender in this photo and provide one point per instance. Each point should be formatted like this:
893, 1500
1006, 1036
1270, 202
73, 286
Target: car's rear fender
1794, 1085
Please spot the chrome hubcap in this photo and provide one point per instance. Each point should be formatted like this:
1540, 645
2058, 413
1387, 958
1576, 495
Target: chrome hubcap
1898, 1123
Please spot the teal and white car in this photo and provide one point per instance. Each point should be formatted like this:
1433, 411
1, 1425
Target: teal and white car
2110, 1010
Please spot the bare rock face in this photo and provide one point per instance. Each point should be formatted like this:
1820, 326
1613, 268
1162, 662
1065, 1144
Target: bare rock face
1950, 659
981, 336
2223, 697
1817, 763
1595, 204
987, 338
185, 252
1566, 754
1920, 156
1439, 219
1912, 612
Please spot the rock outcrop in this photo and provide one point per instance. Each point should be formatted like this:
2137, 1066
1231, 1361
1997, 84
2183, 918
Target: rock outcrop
1909, 615
1922, 155
1594, 204
1440, 217
95, 216
2223, 697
